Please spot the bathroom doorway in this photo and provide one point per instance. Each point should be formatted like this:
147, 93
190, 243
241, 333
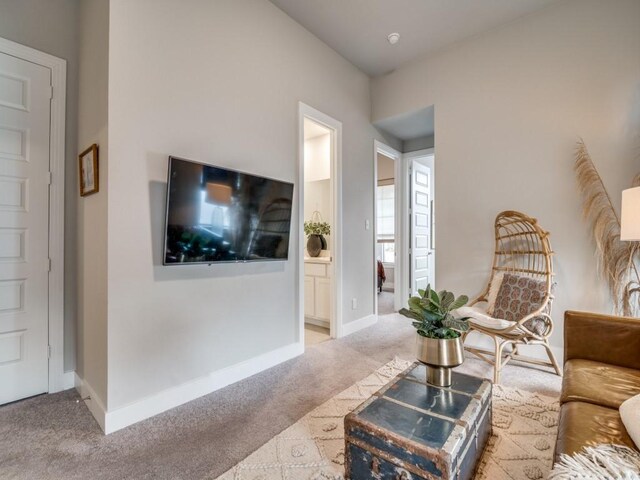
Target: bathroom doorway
320, 247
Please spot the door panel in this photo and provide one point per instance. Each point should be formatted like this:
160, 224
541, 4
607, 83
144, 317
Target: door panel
309, 297
420, 227
25, 95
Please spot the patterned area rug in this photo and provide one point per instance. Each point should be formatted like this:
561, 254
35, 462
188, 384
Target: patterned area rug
524, 431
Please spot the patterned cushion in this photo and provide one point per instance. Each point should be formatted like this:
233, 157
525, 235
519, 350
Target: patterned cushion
518, 297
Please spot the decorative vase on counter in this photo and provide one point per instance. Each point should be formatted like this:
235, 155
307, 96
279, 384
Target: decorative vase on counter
314, 245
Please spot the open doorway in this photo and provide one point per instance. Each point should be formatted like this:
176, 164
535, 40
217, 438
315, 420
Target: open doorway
404, 241
385, 233
387, 228
320, 222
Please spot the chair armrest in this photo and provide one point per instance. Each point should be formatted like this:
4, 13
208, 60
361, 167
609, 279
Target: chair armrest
602, 338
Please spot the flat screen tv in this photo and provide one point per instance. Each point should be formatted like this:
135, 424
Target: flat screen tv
219, 215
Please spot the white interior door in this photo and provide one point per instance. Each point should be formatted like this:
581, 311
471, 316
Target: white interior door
420, 254
25, 104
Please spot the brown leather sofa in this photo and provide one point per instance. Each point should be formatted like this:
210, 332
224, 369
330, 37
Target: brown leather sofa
601, 370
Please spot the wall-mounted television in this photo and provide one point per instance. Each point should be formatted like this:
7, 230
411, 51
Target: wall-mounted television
219, 215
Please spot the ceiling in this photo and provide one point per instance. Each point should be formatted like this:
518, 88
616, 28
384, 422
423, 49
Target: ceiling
358, 29
313, 129
409, 126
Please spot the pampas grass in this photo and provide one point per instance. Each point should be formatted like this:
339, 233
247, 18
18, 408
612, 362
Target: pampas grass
617, 260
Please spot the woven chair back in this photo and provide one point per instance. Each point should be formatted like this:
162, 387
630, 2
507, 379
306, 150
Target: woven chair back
522, 247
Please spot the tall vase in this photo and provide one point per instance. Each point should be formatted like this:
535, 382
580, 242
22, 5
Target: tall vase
440, 356
314, 245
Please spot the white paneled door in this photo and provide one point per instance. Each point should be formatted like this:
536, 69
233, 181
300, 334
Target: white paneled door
25, 104
421, 252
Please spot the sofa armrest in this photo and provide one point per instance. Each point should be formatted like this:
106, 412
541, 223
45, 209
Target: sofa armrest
602, 338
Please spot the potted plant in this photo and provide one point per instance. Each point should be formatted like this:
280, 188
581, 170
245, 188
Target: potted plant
315, 229
439, 337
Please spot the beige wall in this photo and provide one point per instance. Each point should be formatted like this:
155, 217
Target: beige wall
92, 209
217, 82
51, 26
509, 107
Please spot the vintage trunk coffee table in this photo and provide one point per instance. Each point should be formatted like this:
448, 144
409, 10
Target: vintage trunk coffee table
410, 430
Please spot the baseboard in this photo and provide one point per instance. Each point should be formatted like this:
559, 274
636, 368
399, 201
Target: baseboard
92, 400
317, 322
359, 324
175, 396
534, 351
68, 380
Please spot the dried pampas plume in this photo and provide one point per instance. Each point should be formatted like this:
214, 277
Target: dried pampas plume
617, 260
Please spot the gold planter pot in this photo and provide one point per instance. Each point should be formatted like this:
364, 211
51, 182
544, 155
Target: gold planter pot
440, 356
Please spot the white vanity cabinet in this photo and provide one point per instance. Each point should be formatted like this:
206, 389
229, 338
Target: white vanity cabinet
317, 292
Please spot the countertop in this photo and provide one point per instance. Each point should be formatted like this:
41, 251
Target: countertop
325, 260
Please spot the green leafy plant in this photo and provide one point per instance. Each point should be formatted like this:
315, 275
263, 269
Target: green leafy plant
431, 312
316, 228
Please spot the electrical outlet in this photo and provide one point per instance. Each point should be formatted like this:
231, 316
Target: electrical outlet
354, 303
367, 225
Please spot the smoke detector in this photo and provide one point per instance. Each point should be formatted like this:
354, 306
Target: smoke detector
393, 38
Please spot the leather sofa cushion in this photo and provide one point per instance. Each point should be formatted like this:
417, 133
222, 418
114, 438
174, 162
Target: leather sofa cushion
585, 424
598, 383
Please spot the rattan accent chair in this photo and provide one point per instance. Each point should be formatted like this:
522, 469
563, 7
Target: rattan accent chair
522, 248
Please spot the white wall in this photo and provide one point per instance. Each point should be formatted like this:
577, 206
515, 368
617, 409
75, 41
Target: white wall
216, 81
509, 107
92, 210
51, 26
317, 158
317, 196
317, 174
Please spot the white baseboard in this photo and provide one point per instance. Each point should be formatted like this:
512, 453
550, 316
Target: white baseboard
94, 403
68, 380
153, 405
359, 324
475, 339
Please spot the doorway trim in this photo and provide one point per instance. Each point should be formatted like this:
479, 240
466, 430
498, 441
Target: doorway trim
399, 221
335, 128
57, 379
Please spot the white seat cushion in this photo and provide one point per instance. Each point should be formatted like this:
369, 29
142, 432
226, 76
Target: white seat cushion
479, 316
630, 415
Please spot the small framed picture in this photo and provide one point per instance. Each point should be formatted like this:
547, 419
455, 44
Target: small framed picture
88, 161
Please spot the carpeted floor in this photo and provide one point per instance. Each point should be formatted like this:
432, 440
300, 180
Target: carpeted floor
524, 424
385, 303
53, 437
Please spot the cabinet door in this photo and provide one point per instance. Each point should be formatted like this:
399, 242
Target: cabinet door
309, 297
323, 298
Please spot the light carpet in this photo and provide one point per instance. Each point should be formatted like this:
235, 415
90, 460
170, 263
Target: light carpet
525, 426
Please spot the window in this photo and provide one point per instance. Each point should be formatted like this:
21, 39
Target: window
386, 223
